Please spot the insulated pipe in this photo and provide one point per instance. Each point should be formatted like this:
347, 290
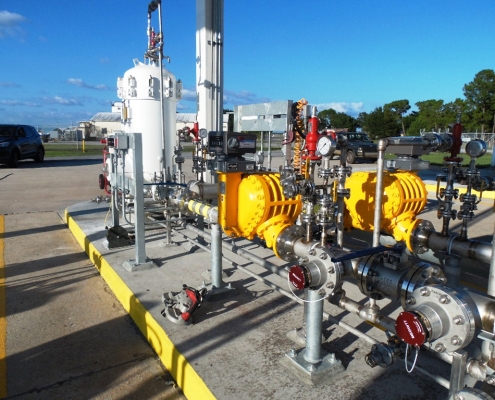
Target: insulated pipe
382, 145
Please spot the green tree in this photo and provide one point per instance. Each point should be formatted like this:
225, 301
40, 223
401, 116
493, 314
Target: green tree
480, 94
430, 117
398, 108
337, 120
379, 123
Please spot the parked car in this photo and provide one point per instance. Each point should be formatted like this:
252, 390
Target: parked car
20, 142
359, 145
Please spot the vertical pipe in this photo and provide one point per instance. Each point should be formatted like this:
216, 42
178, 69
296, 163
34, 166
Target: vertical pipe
139, 198
382, 145
314, 322
216, 256
162, 113
115, 195
491, 276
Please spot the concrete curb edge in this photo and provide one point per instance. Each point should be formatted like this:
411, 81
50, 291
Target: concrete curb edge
181, 370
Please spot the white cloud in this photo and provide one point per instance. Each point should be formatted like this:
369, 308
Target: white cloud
80, 83
188, 95
242, 97
18, 103
62, 100
9, 84
9, 23
353, 108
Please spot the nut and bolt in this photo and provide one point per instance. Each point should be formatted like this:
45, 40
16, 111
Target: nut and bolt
330, 285
439, 348
410, 300
292, 353
331, 270
312, 252
323, 256
311, 368
321, 292
458, 397
424, 292
490, 380
444, 299
456, 340
458, 320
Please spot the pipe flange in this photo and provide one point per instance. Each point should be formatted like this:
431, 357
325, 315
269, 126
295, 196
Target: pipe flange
327, 275
284, 246
447, 315
421, 274
418, 239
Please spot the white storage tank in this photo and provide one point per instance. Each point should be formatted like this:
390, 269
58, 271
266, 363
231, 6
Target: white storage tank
140, 92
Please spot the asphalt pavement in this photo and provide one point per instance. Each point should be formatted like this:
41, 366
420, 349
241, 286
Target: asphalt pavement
66, 336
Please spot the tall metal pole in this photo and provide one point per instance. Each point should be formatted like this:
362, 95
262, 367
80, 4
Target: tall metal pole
209, 65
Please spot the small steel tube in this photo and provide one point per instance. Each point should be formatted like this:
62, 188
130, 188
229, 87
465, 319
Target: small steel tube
314, 323
216, 256
382, 145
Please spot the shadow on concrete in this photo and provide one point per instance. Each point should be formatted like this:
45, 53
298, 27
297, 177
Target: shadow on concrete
56, 163
32, 231
89, 363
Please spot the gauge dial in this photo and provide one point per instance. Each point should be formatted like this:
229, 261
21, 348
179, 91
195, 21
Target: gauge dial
203, 133
325, 145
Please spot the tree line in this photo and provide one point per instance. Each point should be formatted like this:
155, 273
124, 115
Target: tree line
476, 110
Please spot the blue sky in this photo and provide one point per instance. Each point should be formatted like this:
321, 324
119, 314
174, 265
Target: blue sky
59, 60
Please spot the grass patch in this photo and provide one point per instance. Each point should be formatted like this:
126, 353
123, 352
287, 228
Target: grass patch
72, 150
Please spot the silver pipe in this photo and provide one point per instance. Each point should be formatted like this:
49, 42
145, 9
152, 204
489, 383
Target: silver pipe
491, 276
473, 249
314, 321
382, 145
276, 270
216, 256
162, 113
243, 253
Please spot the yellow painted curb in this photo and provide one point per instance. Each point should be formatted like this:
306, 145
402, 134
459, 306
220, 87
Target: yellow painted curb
182, 371
486, 194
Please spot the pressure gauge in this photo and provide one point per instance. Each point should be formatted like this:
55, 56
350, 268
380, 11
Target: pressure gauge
203, 133
325, 146
476, 148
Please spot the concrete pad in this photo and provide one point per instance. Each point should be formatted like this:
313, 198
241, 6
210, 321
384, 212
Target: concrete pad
234, 346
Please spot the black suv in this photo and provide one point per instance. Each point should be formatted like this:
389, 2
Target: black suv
359, 145
19, 142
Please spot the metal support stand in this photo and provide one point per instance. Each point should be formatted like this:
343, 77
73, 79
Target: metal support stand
312, 364
141, 262
217, 285
458, 371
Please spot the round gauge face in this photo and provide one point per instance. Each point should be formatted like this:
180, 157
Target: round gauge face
203, 133
324, 145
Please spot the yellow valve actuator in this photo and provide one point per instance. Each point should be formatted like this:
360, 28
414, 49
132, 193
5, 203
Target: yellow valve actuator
255, 205
404, 197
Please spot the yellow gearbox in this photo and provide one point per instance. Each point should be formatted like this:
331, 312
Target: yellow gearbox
404, 197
